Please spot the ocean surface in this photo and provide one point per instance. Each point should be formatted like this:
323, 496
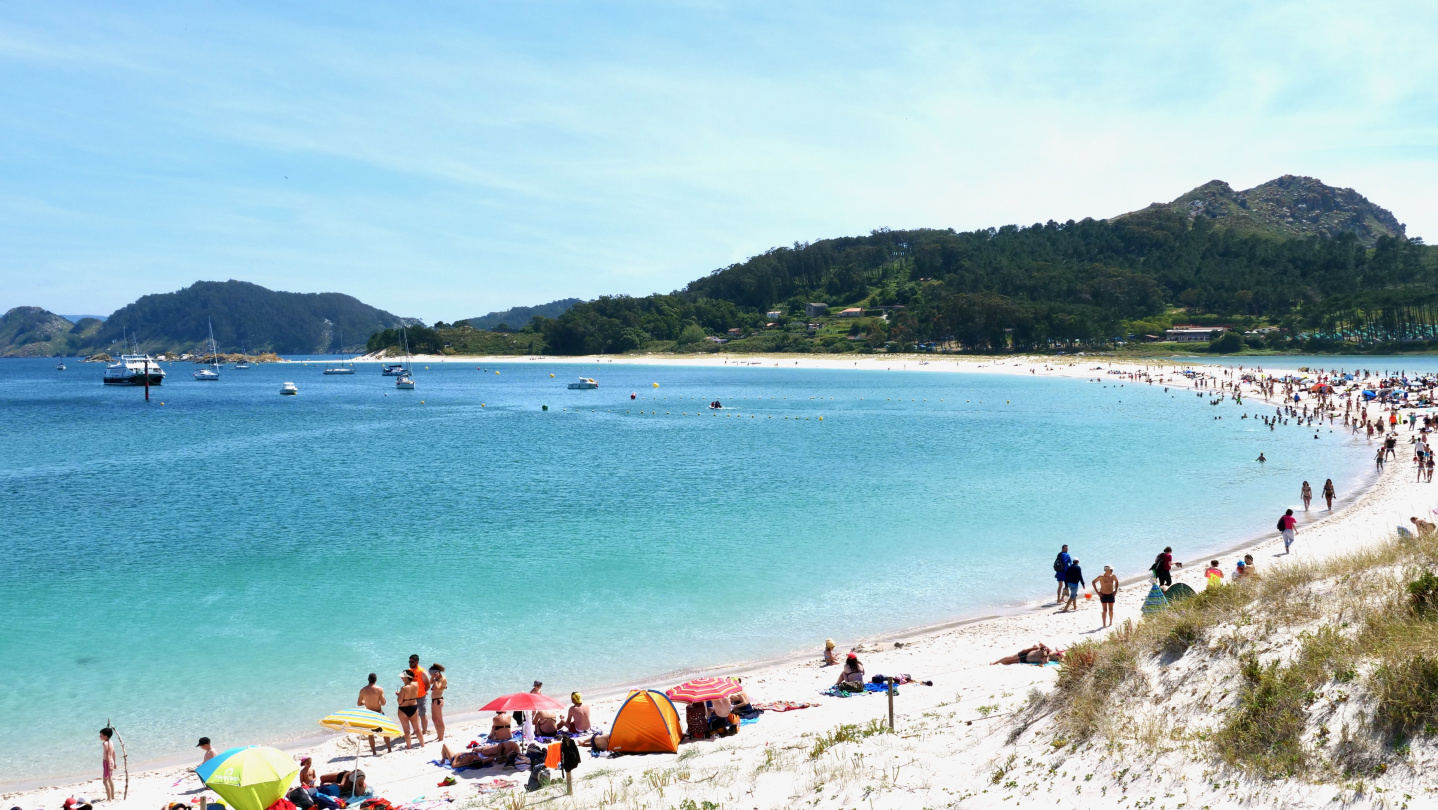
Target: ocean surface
225, 561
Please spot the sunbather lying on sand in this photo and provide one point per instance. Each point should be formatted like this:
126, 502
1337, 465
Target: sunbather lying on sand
350, 782
1038, 654
479, 755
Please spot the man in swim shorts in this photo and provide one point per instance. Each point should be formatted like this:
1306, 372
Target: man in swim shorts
1073, 579
372, 697
421, 679
1107, 586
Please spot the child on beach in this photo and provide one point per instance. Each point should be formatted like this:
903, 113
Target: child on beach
107, 762
830, 658
1213, 574
1073, 579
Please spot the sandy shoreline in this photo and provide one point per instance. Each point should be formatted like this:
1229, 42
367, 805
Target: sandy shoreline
962, 644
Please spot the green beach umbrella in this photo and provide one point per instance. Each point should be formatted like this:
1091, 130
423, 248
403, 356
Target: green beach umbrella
251, 777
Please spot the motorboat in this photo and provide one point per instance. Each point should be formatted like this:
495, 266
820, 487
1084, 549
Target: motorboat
289, 389
134, 369
584, 384
60, 366
393, 371
206, 374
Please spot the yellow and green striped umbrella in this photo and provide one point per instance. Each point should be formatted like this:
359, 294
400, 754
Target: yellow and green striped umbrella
249, 778
362, 721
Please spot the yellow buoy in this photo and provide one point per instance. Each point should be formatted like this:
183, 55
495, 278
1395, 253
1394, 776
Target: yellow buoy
551, 376
656, 385
496, 373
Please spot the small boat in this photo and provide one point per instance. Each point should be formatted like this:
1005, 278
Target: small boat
242, 365
340, 367
213, 372
584, 384
288, 389
406, 377
60, 366
393, 371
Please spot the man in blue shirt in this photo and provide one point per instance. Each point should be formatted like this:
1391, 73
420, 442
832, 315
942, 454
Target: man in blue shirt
1061, 565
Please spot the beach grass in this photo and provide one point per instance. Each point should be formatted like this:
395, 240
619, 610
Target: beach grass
1254, 672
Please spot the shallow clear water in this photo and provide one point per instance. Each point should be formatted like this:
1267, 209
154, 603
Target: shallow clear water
232, 563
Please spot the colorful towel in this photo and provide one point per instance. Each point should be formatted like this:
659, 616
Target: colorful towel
783, 706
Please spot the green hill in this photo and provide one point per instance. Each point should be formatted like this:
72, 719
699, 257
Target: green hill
245, 316
1328, 267
516, 317
35, 332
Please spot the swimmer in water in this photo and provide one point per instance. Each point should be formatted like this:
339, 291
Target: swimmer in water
1261, 458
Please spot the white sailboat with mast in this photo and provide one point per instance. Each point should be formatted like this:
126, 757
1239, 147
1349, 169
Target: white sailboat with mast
406, 380
213, 372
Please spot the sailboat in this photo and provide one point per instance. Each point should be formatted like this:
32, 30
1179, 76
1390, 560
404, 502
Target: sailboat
213, 372
406, 380
341, 368
244, 357
60, 366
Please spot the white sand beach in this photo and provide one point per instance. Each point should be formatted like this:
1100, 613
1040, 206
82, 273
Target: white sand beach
951, 737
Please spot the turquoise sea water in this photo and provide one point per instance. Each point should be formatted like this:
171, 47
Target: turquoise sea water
232, 563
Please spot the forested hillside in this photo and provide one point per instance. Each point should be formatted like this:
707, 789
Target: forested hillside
245, 316
1322, 263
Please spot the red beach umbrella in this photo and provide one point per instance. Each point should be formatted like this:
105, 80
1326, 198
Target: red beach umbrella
522, 702
702, 689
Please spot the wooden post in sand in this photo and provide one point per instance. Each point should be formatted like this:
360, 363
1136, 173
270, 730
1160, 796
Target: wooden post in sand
124, 755
891, 703
569, 783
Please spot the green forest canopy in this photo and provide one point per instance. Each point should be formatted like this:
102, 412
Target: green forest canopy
1020, 288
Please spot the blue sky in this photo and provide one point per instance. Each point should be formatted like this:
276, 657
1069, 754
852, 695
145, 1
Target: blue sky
441, 160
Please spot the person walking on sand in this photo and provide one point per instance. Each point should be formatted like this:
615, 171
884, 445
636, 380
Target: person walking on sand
1328, 493
107, 762
437, 684
1074, 581
1288, 525
1107, 586
1163, 566
421, 680
1061, 564
372, 697
1307, 495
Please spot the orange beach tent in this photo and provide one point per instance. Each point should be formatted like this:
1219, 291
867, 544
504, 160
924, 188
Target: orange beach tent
647, 723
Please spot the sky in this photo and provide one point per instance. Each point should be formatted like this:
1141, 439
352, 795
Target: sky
442, 160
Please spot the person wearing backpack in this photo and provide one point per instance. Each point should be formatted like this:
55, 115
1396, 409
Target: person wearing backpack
1061, 564
1288, 526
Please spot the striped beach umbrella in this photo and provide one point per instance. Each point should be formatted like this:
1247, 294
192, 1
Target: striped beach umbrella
702, 689
362, 721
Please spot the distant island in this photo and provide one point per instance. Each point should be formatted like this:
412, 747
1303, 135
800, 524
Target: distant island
1289, 265
246, 317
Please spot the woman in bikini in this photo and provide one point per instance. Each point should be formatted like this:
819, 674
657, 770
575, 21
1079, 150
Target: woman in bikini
502, 728
408, 701
1307, 495
437, 684
1328, 493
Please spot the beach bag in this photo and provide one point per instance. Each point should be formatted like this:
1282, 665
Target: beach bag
539, 775
301, 798
1280, 524
1059, 565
